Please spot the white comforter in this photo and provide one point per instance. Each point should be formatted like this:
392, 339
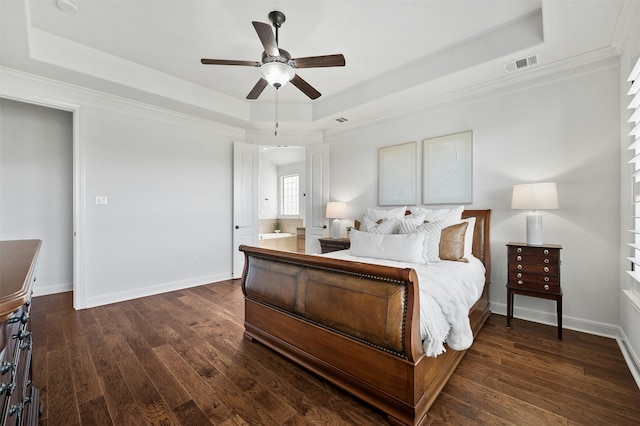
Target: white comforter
447, 292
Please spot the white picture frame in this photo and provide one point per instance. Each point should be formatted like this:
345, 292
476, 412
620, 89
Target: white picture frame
447, 169
398, 175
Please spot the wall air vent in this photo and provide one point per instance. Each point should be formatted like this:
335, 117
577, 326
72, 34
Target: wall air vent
519, 64
341, 119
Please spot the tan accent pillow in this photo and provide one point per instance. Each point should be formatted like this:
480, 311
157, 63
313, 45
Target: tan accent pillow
357, 223
452, 242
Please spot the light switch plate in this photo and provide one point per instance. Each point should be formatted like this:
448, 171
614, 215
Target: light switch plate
101, 200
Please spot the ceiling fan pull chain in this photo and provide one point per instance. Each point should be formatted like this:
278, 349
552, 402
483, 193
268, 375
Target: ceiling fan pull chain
276, 131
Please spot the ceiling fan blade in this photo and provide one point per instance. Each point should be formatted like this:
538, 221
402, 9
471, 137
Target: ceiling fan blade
229, 62
267, 38
257, 89
305, 87
319, 61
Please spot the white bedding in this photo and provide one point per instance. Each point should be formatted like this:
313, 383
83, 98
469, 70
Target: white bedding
447, 291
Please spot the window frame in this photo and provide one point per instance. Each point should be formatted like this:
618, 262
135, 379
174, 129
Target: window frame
283, 195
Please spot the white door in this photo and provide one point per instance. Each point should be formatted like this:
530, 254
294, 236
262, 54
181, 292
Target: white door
245, 201
317, 187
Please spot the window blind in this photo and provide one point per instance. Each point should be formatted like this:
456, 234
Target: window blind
634, 107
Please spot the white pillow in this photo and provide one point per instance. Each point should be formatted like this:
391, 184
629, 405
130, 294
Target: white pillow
388, 226
433, 231
398, 247
377, 214
409, 224
446, 217
468, 236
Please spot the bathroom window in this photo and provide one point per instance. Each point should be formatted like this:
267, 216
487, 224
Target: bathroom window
291, 195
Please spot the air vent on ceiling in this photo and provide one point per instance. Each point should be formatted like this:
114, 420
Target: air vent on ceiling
341, 119
519, 64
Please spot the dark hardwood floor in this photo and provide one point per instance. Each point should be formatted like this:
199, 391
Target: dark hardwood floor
179, 358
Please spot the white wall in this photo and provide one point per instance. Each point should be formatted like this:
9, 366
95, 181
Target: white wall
36, 187
167, 221
567, 132
168, 179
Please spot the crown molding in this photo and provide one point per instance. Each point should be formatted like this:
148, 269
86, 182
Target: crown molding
541, 75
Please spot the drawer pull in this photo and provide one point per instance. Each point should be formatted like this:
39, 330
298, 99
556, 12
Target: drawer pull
519, 266
8, 388
546, 286
546, 269
15, 409
519, 258
23, 319
519, 249
21, 335
546, 251
520, 282
546, 279
519, 275
6, 367
546, 261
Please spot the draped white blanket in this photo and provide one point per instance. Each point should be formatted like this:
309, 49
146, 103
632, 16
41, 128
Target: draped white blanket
447, 291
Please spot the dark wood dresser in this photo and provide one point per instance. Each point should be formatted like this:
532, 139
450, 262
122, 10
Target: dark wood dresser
534, 271
19, 398
327, 245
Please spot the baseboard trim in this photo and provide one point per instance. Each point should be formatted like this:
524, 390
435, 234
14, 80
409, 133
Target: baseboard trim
155, 289
51, 289
629, 356
570, 323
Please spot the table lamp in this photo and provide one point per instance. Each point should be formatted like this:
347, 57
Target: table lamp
336, 210
534, 197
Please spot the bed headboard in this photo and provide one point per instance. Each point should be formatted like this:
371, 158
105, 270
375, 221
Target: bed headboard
481, 241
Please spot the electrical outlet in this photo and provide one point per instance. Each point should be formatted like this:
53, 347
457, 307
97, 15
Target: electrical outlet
101, 200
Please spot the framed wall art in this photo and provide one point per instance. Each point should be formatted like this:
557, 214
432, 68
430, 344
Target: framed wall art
447, 169
398, 175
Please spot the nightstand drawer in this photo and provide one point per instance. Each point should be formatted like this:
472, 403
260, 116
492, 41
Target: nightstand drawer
530, 258
327, 245
534, 251
516, 278
535, 286
549, 269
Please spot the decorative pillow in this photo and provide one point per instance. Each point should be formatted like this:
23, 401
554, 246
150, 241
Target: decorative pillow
432, 241
398, 247
409, 224
380, 227
377, 214
468, 236
446, 217
452, 242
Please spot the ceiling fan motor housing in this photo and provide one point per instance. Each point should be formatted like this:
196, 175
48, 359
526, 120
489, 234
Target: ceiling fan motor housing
277, 18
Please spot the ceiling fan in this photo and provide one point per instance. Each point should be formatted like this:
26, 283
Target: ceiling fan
277, 67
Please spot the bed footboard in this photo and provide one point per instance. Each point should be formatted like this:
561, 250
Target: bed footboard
354, 324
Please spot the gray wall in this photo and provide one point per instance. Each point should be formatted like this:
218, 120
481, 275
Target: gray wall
36, 187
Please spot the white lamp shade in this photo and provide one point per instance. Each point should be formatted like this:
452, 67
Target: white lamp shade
535, 196
337, 210
277, 74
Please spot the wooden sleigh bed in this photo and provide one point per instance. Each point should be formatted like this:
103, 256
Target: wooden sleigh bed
355, 324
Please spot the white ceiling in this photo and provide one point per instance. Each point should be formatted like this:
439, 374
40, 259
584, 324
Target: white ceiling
397, 52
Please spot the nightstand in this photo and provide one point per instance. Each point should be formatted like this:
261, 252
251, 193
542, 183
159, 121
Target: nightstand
328, 245
534, 271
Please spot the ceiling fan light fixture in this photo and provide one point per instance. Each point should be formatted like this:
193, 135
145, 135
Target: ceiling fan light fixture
277, 74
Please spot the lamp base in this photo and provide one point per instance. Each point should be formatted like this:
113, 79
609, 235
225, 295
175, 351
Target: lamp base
335, 228
534, 229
